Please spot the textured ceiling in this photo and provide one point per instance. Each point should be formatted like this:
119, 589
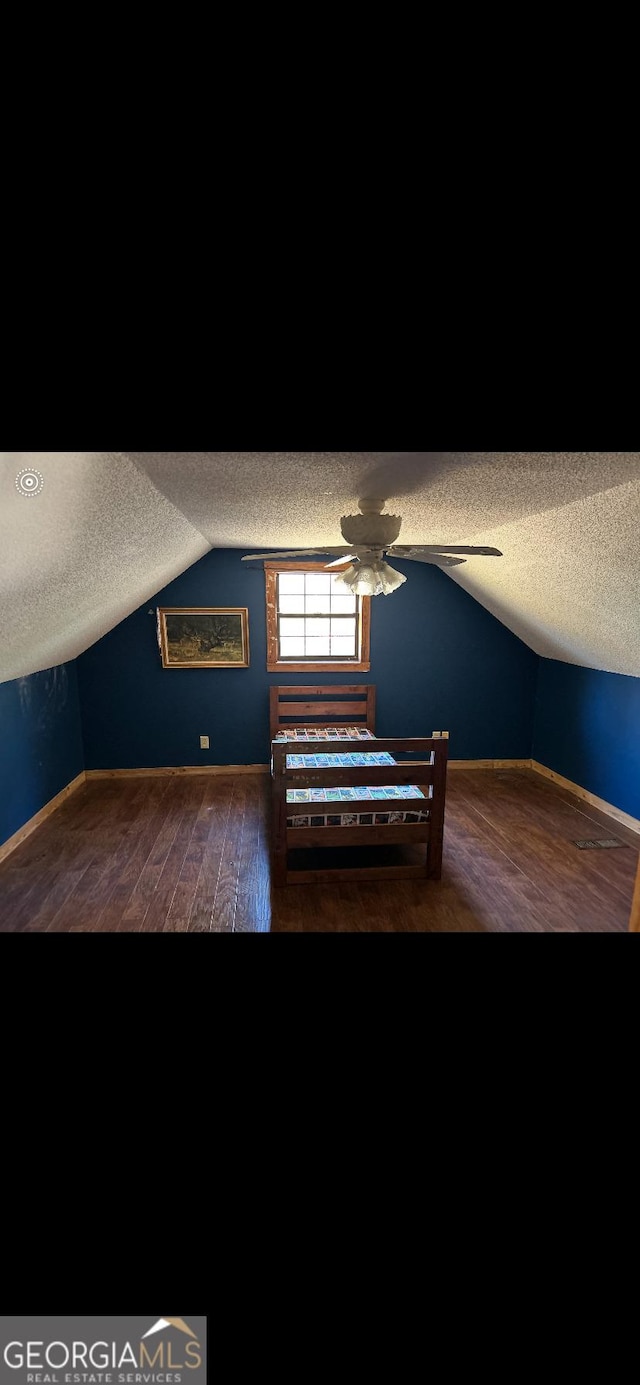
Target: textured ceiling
110, 529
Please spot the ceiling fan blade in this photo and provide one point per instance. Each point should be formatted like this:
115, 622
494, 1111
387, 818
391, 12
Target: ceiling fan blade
346, 558
436, 559
293, 553
446, 548
297, 553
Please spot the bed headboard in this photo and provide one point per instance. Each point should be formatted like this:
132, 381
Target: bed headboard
346, 706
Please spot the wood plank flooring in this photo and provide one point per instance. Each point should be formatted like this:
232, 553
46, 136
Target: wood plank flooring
179, 855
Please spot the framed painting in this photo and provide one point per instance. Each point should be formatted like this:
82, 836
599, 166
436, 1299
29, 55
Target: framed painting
204, 637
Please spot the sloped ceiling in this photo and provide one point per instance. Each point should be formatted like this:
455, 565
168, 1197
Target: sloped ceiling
110, 529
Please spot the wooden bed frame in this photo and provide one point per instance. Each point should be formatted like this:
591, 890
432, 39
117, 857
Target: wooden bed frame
344, 710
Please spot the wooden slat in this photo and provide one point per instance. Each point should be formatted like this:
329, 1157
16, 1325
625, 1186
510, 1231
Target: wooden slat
331, 690
278, 821
417, 745
396, 834
367, 775
322, 709
434, 858
391, 745
359, 805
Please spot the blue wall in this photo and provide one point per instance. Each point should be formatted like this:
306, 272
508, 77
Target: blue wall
439, 661
40, 743
587, 728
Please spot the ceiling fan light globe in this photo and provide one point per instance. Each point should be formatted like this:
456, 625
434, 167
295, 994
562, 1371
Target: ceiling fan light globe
390, 578
373, 579
346, 578
366, 580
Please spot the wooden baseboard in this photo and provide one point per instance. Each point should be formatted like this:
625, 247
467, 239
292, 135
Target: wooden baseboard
489, 764
175, 770
627, 821
19, 837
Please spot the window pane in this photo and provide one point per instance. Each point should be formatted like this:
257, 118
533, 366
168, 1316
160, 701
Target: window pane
292, 649
317, 618
318, 582
291, 605
318, 604
289, 582
346, 629
342, 605
317, 627
345, 646
289, 627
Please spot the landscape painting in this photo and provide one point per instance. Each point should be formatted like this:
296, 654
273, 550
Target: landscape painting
209, 637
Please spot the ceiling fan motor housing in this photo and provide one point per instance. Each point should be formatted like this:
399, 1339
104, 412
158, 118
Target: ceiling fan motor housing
370, 530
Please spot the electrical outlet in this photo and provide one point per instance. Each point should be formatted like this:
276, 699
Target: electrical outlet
204, 742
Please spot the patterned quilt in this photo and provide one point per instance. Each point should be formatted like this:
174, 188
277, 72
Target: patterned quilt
326, 733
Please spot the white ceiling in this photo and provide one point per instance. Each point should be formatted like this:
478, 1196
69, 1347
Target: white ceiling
110, 529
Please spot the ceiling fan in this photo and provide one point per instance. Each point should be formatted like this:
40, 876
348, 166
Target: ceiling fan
369, 536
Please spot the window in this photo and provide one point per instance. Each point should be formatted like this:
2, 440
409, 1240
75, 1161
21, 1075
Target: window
313, 622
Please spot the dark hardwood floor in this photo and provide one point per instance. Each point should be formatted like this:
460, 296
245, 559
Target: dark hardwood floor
191, 854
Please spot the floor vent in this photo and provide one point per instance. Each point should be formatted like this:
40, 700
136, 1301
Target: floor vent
599, 846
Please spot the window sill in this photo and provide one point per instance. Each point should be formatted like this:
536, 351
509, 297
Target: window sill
330, 667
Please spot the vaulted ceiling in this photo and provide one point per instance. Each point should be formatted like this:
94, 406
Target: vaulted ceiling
110, 529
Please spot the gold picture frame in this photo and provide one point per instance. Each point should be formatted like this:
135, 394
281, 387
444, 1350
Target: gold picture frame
204, 636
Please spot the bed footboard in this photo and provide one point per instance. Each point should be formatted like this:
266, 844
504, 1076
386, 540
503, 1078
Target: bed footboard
428, 774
